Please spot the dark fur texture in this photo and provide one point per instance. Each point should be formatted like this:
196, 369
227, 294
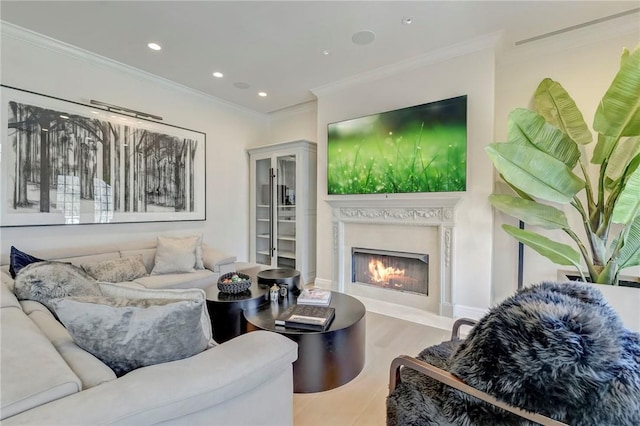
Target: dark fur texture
556, 349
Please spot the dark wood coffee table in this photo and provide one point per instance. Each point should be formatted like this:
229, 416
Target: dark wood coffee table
326, 359
226, 309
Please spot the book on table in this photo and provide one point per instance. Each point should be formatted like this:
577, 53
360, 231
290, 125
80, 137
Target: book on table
314, 296
307, 317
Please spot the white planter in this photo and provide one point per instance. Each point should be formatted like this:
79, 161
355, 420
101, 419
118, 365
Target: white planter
625, 300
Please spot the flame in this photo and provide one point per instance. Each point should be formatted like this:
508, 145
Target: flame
379, 273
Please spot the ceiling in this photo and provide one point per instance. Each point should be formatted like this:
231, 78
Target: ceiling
277, 46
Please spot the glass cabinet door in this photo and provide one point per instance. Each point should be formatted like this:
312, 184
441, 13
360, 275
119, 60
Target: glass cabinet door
285, 228
264, 209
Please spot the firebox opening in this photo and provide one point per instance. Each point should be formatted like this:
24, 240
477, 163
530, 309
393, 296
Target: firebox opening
400, 271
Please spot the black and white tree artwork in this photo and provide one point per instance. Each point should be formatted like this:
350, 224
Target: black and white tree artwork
74, 164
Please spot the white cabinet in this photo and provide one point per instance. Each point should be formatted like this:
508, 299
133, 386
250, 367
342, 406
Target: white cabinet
283, 206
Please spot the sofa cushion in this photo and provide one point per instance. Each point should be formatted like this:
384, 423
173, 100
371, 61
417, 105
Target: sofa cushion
19, 259
90, 258
89, 369
47, 280
176, 254
117, 270
33, 373
127, 334
7, 297
213, 258
197, 279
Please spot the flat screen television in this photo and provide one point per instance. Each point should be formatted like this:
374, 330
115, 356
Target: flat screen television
422, 148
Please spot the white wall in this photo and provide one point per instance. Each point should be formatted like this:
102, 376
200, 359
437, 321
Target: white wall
584, 62
294, 123
32, 63
471, 74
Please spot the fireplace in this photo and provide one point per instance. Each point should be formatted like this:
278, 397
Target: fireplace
415, 226
393, 270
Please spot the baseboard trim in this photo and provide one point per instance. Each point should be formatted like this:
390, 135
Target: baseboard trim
323, 283
462, 311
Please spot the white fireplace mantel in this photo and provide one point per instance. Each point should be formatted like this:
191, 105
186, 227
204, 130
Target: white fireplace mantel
437, 211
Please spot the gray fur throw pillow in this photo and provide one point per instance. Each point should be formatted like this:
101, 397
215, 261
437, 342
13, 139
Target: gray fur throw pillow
127, 334
48, 280
557, 349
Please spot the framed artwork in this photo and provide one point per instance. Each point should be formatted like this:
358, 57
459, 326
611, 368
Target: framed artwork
64, 162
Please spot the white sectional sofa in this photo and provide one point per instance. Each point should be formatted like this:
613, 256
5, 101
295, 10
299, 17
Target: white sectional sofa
48, 380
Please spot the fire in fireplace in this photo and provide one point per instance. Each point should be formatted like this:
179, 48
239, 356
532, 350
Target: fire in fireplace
407, 272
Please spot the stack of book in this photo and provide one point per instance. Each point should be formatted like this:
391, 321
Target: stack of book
314, 296
307, 317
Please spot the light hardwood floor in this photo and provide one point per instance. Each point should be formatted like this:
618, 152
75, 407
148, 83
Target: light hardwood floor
362, 401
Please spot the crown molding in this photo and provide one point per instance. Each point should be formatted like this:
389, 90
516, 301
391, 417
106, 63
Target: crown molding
309, 106
45, 42
572, 39
487, 41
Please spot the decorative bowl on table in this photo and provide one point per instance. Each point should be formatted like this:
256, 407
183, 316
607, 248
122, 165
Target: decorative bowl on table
234, 282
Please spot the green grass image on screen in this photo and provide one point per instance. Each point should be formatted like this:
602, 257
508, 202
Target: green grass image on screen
416, 149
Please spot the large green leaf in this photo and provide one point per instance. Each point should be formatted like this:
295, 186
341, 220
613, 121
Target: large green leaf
559, 109
530, 212
630, 252
619, 111
534, 172
628, 205
558, 253
527, 127
518, 191
624, 152
603, 149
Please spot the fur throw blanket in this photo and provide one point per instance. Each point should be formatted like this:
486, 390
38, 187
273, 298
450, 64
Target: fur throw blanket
557, 349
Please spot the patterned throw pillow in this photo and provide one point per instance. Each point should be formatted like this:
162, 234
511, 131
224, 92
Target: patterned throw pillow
18, 260
48, 280
176, 254
117, 270
127, 334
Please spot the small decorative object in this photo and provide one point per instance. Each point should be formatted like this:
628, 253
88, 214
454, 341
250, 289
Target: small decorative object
234, 282
274, 293
283, 290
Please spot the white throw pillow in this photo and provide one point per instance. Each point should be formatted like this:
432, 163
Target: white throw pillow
177, 254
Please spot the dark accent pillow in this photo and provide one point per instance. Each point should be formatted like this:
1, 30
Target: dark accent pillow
18, 260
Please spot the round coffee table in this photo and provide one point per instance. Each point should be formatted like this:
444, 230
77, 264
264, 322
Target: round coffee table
326, 359
225, 309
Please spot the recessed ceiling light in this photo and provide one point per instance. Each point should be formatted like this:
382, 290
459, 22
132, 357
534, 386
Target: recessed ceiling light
363, 37
154, 46
263, 94
326, 52
407, 20
218, 74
